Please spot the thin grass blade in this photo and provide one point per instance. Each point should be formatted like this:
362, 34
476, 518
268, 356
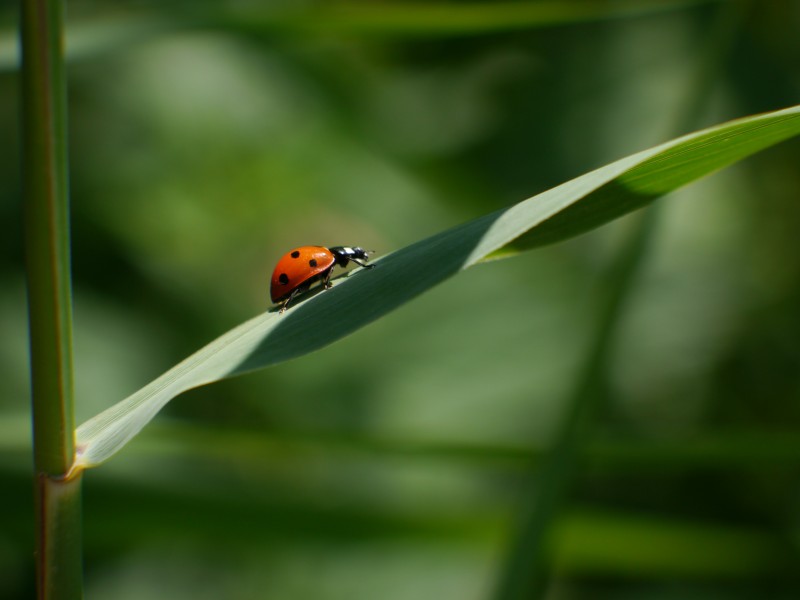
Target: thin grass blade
557, 214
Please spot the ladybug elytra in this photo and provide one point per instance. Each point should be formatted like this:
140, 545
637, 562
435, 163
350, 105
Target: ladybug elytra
298, 269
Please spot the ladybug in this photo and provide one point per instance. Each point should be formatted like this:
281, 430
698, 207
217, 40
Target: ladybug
299, 268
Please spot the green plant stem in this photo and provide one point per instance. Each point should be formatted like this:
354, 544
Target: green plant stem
527, 570
45, 188
59, 564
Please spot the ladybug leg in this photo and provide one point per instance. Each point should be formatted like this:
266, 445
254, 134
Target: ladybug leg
285, 304
298, 290
326, 279
362, 264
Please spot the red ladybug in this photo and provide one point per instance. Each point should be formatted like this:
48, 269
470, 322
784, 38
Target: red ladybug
299, 268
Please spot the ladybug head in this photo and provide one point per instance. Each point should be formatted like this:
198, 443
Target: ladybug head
350, 252
344, 254
360, 253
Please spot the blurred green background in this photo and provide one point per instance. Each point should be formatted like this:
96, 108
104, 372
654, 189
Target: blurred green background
207, 138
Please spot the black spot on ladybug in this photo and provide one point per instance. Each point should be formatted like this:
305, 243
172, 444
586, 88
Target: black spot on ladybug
312, 262
295, 254
283, 278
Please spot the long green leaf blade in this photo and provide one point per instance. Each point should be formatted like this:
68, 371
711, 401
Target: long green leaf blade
557, 214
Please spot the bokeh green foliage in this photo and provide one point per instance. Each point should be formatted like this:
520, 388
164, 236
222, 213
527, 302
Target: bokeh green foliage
390, 464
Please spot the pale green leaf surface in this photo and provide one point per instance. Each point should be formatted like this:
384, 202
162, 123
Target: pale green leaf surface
363, 296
